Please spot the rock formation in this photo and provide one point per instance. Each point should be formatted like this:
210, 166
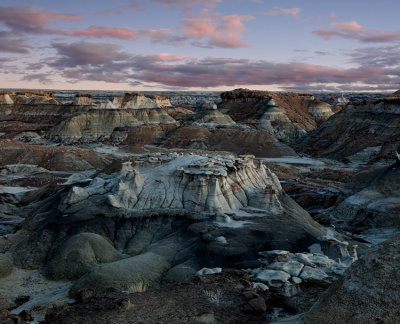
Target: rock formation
321, 111
275, 122
108, 105
205, 105
162, 102
361, 132
138, 101
369, 292
206, 114
165, 213
50, 157
374, 200
99, 124
83, 99
196, 185
237, 140
42, 100
288, 116
287, 272
5, 99
340, 101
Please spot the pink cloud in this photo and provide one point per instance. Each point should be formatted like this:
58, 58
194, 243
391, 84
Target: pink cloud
220, 31
125, 33
353, 30
294, 12
101, 32
101, 61
32, 19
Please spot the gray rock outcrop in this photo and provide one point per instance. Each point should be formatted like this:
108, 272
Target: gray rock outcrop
286, 272
374, 200
369, 292
195, 184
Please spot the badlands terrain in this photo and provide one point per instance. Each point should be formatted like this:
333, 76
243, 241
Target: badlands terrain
237, 207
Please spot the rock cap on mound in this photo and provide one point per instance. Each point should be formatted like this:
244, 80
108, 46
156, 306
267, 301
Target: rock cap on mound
83, 99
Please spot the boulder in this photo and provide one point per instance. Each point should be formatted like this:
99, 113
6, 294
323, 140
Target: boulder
314, 275
274, 278
78, 255
291, 267
146, 268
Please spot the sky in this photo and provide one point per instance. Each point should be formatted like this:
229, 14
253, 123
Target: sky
289, 45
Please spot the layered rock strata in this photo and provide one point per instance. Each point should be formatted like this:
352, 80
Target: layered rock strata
289, 116
195, 184
206, 114
361, 132
321, 111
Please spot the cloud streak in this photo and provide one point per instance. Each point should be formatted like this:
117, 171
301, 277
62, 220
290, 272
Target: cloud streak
107, 62
294, 12
32, 20
202, 30
353, 30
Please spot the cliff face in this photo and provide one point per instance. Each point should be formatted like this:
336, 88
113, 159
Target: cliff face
365, 130
288, 116
72, 123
